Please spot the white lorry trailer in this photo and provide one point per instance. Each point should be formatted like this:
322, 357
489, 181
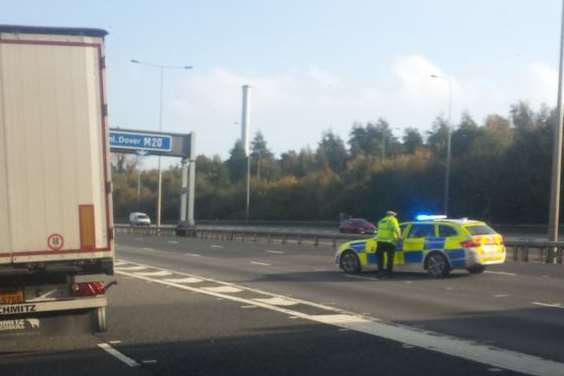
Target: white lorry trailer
56, 230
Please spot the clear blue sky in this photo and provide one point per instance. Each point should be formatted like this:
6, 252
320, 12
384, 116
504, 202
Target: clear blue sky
314, 65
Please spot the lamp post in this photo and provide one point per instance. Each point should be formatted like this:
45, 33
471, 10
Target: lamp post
161, 69
554, 214
449, 136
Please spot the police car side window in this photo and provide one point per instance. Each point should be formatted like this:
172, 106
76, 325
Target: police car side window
446, 231
421, 231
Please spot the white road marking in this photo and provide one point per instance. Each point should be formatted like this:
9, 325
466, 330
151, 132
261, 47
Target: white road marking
184, 280
360, 277
458, 347
115, 342
173, 242
192, 254
274, 252
553, 305
338, 319
500, 296
148, 249
248, 306
216, 246
131, 268
500, 273
125, 359
260, 263
222, 289
149, 361
277, 301
119, 263
160, 273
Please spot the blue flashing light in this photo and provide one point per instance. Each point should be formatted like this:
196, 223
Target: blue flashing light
428, 217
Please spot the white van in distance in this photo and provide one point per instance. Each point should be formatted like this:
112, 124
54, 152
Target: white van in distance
139, 219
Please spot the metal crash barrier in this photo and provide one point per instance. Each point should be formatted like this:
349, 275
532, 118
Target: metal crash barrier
521, 250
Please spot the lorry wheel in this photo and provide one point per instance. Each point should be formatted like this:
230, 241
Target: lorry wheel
100, 319
350, 262
437, 265
476, 269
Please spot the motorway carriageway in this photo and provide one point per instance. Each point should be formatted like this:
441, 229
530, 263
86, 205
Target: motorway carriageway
202, 307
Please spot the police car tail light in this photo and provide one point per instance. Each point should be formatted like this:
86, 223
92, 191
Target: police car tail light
470, 243
88, 288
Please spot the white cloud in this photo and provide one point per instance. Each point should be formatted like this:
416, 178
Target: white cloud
542, 83
292, 109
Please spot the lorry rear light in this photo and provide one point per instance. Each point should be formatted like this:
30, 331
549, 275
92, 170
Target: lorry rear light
470, 243
88, 288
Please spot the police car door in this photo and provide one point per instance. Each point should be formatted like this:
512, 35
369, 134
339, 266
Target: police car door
414, 242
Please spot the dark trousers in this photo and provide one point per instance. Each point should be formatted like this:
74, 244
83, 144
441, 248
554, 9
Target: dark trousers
389, 249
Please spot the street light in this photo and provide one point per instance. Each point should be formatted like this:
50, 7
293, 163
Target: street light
449, 134
161, 68
554, 214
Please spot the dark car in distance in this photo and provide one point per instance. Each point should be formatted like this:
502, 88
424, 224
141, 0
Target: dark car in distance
357, 226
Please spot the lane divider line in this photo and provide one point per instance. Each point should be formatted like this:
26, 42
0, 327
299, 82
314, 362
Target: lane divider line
500, 273
192, 254
118, 355
553, 305
260, 263
360, 277
173, 242
274, 252
457, 347
216, 246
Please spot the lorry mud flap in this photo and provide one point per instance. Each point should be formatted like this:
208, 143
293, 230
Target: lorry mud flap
48, 324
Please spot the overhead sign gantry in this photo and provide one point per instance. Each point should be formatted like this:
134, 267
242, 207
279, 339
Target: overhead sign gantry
141, 142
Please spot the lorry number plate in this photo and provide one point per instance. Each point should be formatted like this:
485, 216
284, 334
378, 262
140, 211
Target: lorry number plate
11, 297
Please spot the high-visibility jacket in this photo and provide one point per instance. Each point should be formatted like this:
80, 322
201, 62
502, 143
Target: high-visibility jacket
388, 229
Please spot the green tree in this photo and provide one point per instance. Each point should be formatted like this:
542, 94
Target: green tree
237, 163
412, 140
331, 152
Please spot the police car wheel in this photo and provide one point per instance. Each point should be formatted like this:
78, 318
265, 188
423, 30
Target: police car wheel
437, 265
350, 263
476, 269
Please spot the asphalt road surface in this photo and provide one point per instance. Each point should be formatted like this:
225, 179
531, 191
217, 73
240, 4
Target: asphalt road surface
206, 307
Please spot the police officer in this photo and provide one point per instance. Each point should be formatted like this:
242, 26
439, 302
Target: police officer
388, 237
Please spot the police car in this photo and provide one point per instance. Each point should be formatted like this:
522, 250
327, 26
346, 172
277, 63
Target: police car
432, 243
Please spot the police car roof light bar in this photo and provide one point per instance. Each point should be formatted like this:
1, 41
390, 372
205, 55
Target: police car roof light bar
428, 217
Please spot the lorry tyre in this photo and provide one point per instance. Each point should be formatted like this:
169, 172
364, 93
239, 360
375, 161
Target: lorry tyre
100, 319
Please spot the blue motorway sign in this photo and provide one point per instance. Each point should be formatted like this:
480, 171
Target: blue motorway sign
140, 142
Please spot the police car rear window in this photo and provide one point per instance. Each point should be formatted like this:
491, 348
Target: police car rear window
421, 231
446, 231
480, 230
